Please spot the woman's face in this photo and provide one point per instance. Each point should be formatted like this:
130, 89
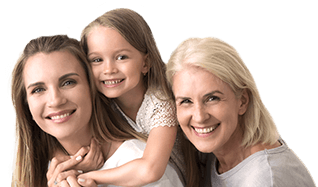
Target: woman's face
207, 108
58, 94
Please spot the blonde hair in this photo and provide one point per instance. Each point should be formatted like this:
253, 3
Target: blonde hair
136, 31
222, 60
35, 147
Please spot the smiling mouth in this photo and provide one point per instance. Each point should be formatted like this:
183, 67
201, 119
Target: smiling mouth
112, 82
56, 117
205, 130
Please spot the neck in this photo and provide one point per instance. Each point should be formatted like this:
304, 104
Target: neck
130, 103
73, 143
232, 152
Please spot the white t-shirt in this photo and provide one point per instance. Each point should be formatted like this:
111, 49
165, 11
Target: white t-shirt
133, 149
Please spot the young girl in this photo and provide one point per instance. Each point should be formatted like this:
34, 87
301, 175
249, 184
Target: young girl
128, 68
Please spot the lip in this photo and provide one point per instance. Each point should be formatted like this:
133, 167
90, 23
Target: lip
205, 131
109, 83
61, 117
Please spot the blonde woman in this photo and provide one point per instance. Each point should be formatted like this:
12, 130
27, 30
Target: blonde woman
59, 111
220, 111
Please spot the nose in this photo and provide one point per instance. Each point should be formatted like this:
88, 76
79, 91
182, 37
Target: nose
56, 98
200, 115
109, 67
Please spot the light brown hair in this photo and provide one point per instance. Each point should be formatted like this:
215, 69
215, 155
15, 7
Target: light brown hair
136, 31
35, 147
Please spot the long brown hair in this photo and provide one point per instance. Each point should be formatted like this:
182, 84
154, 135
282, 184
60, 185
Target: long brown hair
35, 147
136, 31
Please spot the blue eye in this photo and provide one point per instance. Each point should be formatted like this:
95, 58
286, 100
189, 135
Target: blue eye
37, 90
122, 57
68, 82
213, 98
185, 101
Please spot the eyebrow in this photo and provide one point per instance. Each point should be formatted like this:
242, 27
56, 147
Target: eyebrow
61, 78
206, 95
116, 51
212, 93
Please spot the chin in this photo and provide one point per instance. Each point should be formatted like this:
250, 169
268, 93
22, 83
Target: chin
203, 147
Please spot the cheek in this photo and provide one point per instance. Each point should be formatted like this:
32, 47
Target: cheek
35, 109
183, 117
96, 71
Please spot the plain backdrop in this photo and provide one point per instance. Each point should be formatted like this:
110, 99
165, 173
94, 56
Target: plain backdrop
276, 39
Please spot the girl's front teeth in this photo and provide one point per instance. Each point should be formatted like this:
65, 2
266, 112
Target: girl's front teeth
111, 82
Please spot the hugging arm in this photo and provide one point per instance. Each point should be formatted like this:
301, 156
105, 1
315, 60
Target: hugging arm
141, 171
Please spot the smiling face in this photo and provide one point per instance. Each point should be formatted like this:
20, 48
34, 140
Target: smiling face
58, 94
117, 66
207, 109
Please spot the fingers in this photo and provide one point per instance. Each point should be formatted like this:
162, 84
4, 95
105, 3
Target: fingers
86, 182
62, 176
54, 162
82, 152
94, 158
69, 182
61, 170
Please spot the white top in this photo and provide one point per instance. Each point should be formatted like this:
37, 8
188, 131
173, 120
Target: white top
133, 149
153, 112
278, 167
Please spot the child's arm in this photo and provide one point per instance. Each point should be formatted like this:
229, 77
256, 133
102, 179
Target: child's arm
142, 171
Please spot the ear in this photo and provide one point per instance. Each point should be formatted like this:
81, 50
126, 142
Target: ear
244, 101
146, 66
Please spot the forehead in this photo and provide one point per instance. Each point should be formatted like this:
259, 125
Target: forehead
192, 80
42, 66
106, 37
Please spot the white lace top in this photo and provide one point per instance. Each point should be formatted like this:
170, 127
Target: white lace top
153, 112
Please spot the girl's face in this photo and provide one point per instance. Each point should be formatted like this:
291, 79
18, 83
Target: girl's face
117, 66
58, 94
207, 108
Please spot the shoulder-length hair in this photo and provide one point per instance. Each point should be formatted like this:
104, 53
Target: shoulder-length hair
35, 147
131, 26
223, 61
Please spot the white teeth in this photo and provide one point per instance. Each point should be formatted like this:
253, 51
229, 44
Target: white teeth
61, 116
111, 82
205, 130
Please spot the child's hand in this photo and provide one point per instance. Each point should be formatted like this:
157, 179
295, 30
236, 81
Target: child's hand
93, 160
86, 181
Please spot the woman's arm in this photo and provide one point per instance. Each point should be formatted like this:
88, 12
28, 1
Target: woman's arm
142, 171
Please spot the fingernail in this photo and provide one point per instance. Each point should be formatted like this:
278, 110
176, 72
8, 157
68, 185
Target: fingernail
78, 158
71, 156
81, 180
80, 171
